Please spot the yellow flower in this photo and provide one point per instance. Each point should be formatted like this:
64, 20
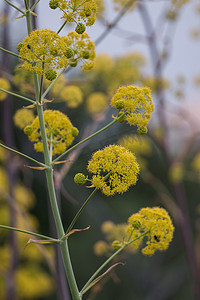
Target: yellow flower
83, 49
72, 95
4, 84
138, 104
23, 117
101, 248
96, 103
78, 11
43, 50
4, 182
159, 226
59, 130
114, 169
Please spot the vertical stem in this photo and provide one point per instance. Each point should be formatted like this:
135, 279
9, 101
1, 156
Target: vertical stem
50, 184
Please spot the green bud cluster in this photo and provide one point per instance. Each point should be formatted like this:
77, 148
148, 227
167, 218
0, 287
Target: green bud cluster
119, 104
142, 130
116, 245
28, 130
50, 74
53, 4
75, 131
136, 224
69, 53
80, 179
80, 28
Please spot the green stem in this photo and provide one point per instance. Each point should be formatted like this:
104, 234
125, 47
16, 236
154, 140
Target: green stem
21, 11
19, 96
10, 52
63, 25
31, 233
86, 139
51, 188
24, 155
80, 211
109, 259
34, 5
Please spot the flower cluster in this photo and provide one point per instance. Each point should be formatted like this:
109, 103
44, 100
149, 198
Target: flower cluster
158, 225
43, 50
136, 103
114, 169
59, 129
96, 103
78, 11
4, 84
72, 95
80, 47
23, 117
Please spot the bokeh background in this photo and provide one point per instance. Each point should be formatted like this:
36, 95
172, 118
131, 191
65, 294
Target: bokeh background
152, 43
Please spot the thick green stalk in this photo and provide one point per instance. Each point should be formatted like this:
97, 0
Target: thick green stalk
51, 188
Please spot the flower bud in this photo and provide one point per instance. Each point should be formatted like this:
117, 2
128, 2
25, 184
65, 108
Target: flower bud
86, 54
136, 224
19, 47
50, 74
119, 104
80, 179
142, 130
69, 52
116, 245
53, 4
80, 28
75, 131
28, 130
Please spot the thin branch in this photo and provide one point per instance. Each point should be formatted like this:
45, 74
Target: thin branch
17, 95
29, 232
21, 11
10, 52
22, 154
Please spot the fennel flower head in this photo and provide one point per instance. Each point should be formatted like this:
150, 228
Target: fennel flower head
43, 50
136, 103
157, 222
59, 129
114, 169
76, 10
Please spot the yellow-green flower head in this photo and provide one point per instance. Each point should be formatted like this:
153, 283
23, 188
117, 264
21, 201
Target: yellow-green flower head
78, 11
4, 84
114, 169
4, 182
72, 95
96, 103
58, 130
159, 226
23, 117
138, 104
83, 49
43, 47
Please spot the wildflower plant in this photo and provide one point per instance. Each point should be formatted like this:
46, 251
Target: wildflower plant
113, 169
